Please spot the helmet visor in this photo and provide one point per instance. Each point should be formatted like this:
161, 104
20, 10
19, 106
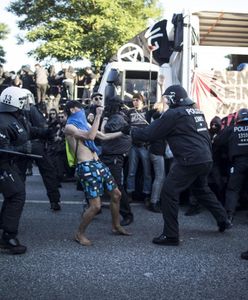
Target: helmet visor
24, 104
169, 99
29, 100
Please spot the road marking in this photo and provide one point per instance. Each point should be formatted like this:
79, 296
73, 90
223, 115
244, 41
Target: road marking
69, 202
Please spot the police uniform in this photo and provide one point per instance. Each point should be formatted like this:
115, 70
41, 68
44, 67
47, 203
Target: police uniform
185, 129
13, 137
236, 139
45, 165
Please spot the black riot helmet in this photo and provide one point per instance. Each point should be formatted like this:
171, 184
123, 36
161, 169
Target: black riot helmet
177, 96
242, 115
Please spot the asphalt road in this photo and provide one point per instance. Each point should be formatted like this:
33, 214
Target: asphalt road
206, 265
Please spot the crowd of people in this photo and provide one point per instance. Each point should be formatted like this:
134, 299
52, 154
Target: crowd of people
158, 153
51, 87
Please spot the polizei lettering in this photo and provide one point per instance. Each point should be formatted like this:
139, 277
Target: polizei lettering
193, 111
240, 128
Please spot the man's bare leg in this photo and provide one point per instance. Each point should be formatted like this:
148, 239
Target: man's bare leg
87, 217
115, 196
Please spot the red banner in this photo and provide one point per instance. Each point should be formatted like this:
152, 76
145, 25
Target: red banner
220, 92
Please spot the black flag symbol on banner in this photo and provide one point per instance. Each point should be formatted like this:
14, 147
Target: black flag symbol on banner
154, 39
158, 42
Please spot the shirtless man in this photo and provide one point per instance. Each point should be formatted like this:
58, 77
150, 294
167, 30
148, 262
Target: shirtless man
94, 175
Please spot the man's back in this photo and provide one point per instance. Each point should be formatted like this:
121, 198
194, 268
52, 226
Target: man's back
236, 138
185, 130
41, 76
82, 152
189, 140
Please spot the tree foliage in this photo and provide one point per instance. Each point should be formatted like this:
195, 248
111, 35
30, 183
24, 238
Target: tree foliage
73, 29
4, 30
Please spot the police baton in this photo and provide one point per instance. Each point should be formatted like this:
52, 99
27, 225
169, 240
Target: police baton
20, 153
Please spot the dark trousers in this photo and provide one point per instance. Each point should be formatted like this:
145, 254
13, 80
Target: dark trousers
13, 189
217, 183
115, 164
49, 178
60, 163
68, 90
48, 174
238, 174
179, 179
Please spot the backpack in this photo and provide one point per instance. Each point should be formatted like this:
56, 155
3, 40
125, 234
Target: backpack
71, 156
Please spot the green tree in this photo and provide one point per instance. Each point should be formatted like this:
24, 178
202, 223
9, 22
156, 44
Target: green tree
4, 30
73, 29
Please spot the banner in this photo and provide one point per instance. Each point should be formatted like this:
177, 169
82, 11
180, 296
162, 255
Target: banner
153, 39
220, 92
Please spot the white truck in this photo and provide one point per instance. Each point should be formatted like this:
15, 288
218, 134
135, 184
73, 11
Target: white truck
212, 65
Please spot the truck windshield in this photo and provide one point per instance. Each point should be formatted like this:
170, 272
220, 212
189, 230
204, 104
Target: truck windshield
143, 82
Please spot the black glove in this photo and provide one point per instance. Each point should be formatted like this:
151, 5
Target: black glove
126, 129
38, 147
25, 148
50, 134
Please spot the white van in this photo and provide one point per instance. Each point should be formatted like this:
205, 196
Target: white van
134, 77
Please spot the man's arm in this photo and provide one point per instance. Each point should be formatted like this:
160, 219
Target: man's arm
158, 129
86, 135
104, 122
108, 136
71, 130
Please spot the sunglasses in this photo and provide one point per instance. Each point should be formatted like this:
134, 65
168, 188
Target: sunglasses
61, 117
98, 98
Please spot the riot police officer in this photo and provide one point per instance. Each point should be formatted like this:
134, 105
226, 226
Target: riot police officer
35, 121
13, 137
185, 129
235, 138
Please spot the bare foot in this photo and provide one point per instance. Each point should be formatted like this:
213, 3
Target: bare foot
82, 240
120, 230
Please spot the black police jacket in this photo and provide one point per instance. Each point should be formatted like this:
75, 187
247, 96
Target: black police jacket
38, 127
185, 130
235, 138
12, 134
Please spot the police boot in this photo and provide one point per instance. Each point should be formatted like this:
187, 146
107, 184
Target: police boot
154, 207
55, 206
230, 216
225, 225
244, 255
11, 244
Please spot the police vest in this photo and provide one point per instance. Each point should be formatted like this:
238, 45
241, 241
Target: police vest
238, 142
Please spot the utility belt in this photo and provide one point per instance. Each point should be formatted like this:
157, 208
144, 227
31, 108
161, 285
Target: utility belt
113, 159
6, 175
6, 178
11, 183
140, 145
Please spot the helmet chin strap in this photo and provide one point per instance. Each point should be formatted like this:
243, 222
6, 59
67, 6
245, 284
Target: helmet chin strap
18, 112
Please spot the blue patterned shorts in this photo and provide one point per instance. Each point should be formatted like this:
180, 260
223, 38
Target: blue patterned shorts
95, 177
